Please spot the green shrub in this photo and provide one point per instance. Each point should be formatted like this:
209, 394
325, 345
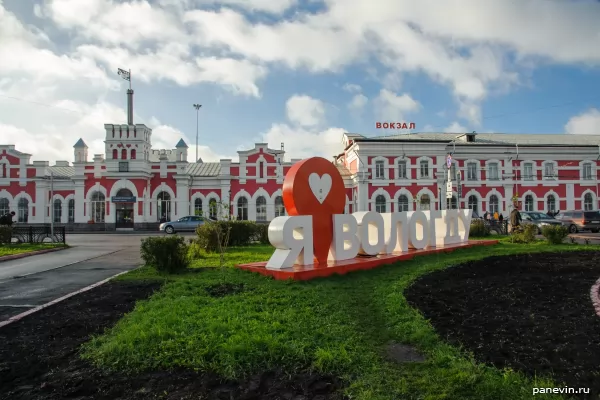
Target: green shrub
262, 233
479, 229
241, 233
168, 254
195, 250
555, 234
524, 234
5, 234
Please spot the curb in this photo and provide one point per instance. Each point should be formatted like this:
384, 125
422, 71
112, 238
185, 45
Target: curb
43, 306
31, 253
595, 296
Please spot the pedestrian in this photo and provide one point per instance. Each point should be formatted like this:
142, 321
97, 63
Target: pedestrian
7, 219
485, 215
496, 215
501, 218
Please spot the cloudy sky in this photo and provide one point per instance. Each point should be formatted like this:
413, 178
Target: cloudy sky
300, 72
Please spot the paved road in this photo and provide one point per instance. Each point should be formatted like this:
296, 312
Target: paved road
50, 276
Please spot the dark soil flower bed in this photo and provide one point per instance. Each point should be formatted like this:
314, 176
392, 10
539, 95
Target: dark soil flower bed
532, 313
39, 359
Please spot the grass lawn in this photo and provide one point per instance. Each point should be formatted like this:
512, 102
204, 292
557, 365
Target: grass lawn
336, 326
9, 250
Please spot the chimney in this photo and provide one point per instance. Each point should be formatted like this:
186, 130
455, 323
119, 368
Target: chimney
129, 106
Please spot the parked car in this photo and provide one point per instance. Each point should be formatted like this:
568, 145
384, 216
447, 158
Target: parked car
580, 220
539, 219
184, 224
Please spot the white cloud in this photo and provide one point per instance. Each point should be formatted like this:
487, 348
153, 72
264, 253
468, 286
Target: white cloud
391, 107
586, 123
473, 54
303, 142
239, 76
269, 6
352, 88
455, 127
166, 136
358, 102
305, 111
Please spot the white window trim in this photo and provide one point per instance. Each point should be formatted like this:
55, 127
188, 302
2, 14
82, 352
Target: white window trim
384, 193
477, 170
488, 197
477, 195
594, 170
397, 162
556, 200
533, 170
594, 199
500, 170
408, 195
554, 170
386, 168
265, 166
433, 200
535, 201
430, 165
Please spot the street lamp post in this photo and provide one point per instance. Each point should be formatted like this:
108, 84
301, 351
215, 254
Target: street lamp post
51, 205
197, 107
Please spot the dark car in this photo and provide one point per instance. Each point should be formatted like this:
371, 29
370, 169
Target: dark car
539, 219
580, 220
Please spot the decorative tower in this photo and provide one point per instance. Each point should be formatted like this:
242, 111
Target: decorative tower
181, 150
127, 146
80, 151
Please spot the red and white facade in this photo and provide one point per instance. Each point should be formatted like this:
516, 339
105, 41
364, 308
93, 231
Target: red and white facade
132, 185
408, 172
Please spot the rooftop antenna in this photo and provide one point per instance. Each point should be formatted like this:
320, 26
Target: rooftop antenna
127, 76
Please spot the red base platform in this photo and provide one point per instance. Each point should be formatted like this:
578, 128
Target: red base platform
305, 273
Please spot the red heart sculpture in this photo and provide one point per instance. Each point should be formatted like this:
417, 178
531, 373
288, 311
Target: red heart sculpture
128, 145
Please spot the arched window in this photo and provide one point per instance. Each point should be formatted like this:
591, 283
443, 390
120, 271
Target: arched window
402, 203
551, 203
133, 154
124, 154
588, 202
23, 210
425, 202
124, 193
57, 211
213, 209
198, 206
163, 206
115, 154
4, 206
4, 171
472, 203
380, 203
98, 207
529, 203
71, 208
261, 209
279, 207
242, 209
494, 204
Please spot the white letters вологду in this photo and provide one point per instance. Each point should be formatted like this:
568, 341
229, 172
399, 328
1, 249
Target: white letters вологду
367, 233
